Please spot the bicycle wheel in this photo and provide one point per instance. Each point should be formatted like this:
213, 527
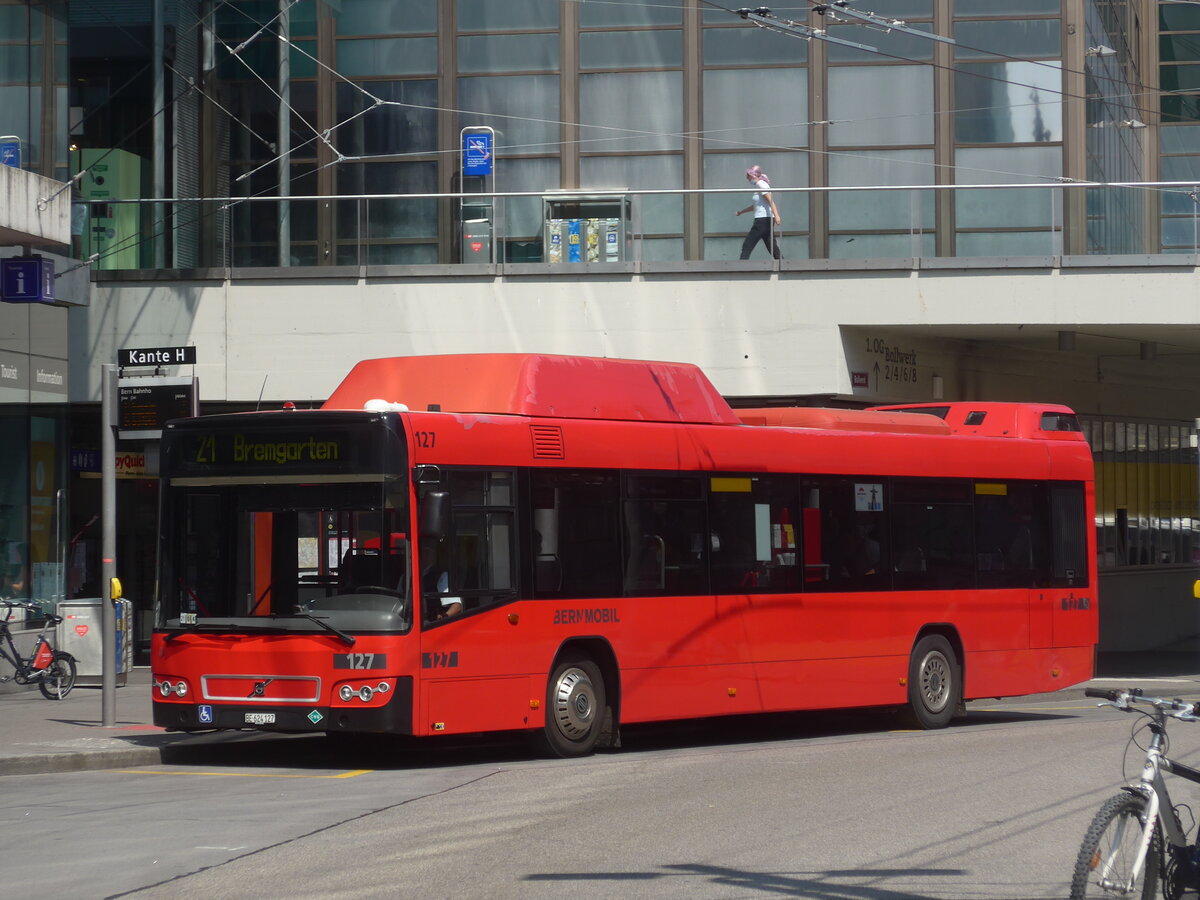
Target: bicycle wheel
1109, 849
59, 676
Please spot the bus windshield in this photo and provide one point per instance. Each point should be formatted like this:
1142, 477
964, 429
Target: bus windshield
306, 522
279, 550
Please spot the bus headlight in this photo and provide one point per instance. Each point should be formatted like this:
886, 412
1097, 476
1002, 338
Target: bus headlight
370, 692
166, 688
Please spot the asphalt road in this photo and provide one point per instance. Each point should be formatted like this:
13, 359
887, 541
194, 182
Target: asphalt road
828, 806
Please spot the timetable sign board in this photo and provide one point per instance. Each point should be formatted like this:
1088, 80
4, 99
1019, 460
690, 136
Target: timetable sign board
145, 405
157, 356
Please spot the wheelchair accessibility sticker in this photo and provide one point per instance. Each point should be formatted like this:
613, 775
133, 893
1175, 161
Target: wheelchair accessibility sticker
206, 715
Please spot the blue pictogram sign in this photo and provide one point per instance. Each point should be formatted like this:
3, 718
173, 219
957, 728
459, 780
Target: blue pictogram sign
10, 151
27, 279
477, 154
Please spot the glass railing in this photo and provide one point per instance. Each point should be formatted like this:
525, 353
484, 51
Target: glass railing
603, 227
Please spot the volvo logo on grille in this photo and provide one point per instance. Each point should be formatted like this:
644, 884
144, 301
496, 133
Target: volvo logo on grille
260, 688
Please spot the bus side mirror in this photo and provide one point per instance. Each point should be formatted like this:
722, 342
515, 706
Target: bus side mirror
434, 517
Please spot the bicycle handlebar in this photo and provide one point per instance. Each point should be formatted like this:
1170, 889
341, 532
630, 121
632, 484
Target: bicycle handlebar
1124, 700
32, 607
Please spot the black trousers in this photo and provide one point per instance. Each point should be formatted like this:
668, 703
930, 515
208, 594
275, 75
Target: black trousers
761, 231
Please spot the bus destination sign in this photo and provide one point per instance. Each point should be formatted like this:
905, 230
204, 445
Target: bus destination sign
281, 444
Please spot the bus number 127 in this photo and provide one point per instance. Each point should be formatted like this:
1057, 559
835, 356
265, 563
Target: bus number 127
359, 660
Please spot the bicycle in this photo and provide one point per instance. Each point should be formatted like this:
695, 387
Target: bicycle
1123, 853
52, 670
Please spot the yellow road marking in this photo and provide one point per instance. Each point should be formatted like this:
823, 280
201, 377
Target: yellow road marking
353, 773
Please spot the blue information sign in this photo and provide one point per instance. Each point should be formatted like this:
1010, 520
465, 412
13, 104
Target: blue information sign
10, 151
27, 280
477, 153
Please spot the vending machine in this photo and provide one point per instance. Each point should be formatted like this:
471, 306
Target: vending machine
592, 228
113, 230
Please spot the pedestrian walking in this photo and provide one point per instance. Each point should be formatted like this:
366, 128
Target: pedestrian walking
766, 215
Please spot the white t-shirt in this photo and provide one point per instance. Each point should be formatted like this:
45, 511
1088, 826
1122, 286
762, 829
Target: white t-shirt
762, 209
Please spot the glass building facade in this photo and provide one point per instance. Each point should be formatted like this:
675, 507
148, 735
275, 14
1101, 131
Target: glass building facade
367, 99
33, 341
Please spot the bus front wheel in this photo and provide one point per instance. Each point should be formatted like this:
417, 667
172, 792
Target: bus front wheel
575, 705
934, 682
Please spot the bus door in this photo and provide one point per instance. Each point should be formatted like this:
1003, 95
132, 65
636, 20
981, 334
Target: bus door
1031, 536
1072, 598
474, 671
755, 544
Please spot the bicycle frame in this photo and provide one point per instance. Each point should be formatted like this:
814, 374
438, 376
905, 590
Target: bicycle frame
24, 672
1159, 809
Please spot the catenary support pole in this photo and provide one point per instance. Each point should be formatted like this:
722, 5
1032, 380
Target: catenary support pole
108, 551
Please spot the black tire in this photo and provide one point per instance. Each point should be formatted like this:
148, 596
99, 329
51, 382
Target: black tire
934, 682
575, 708
1115, 834
59, 676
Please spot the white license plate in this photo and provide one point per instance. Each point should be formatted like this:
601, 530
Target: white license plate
260, 718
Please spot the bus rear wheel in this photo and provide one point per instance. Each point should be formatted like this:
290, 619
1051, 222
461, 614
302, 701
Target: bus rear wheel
575, 707
934, 682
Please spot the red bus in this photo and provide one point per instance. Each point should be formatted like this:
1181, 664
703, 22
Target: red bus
564, 545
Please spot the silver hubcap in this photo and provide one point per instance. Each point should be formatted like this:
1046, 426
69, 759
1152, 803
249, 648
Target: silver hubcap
574, 703
935, 681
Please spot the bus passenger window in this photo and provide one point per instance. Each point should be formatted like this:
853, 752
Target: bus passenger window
1010, 533
932, 516
845, 535
1069, 563
666, 535
754, 534
574, 550
473, 567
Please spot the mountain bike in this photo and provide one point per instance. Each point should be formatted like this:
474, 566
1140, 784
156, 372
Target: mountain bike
52, 670
1136, 838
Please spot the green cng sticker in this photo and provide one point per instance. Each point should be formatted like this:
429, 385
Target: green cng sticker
315, 716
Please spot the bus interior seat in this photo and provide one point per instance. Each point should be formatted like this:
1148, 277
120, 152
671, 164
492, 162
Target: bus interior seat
547, 574
912, 560
359, 568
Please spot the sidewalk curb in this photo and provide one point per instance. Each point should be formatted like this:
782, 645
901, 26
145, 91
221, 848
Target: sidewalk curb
79, 761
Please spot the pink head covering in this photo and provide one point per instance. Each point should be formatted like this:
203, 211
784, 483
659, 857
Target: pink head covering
755, 173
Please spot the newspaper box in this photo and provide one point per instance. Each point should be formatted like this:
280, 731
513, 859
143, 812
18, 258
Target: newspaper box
79, 634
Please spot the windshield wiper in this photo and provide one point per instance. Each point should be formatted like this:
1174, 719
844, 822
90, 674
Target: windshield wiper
232, 628
219, 627
347, 639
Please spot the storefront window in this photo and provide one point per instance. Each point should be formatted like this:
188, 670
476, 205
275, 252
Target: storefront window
1146, 500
